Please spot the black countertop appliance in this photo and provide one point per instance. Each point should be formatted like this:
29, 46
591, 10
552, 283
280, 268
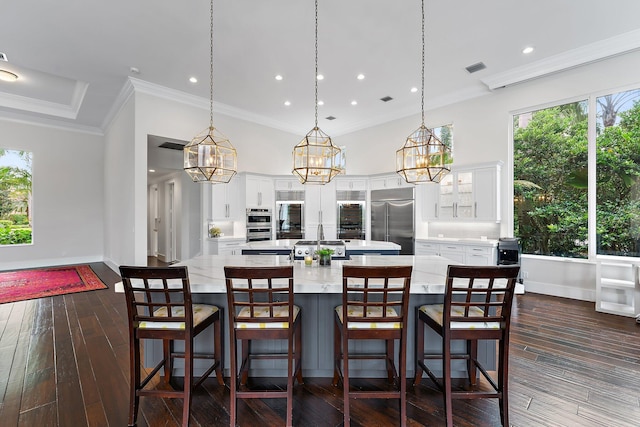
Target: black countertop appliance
508, 251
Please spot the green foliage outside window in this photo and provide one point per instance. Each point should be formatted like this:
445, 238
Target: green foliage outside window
15, 197
551, 175
550, 200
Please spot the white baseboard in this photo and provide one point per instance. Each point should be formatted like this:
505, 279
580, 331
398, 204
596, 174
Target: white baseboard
48, 262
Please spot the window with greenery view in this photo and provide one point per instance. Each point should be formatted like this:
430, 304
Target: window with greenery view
15, 197
618, 174
550, 180
551, 175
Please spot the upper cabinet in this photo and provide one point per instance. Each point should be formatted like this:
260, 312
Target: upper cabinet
350, 184
259, 192
470, 193
288, 184
393, 180
225, 204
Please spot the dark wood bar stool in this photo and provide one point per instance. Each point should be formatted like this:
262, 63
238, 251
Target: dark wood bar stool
159, 307
374, 307
260, 301
477, 306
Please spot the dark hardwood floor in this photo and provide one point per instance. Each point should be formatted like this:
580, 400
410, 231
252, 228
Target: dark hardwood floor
64, 362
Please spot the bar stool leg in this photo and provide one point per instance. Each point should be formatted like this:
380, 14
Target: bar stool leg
419, 348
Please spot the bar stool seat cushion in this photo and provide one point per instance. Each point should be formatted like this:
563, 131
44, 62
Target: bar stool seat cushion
264, 312
371, 312
200, 313
436, 312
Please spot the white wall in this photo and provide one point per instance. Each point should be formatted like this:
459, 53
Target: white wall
68, 202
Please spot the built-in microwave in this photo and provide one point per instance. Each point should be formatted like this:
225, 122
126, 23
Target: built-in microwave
258, 218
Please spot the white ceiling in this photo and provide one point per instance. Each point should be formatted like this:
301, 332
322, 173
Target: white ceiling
75, 56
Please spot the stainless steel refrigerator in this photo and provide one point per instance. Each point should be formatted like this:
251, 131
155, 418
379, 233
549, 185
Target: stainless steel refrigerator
392, 217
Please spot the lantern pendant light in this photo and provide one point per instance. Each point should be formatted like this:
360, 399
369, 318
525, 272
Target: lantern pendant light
424, 157
210, 157
315, 159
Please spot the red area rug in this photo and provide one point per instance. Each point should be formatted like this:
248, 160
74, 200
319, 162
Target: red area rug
22, 285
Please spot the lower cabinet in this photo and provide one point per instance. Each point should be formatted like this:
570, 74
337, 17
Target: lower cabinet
231, 246
463, 252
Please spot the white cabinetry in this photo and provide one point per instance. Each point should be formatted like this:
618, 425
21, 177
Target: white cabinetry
320, 207
465, 252
288, 184
225, 204
466, 194
259, 192
427, 201
617, 288
381, 182
226, 246
351, 184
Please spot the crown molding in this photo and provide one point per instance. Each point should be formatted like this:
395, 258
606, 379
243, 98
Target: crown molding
593, 52
67, 111
125, 93
200, 102
49, 123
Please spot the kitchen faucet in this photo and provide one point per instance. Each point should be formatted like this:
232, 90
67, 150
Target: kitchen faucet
320, 236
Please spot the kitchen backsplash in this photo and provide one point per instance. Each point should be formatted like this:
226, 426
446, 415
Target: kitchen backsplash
460, 230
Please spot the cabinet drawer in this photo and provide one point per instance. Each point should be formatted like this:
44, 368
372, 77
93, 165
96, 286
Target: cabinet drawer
451, 247
482, 250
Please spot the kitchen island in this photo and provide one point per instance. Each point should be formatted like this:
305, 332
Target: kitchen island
318, 291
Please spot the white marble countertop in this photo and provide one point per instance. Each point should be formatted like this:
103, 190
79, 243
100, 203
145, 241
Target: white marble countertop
206, 273
350, 244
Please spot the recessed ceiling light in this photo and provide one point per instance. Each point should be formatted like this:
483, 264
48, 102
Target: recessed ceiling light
287, 103
360, 77
320, 102
414, 89
278, 77
193, 80
354, 102
320, 77
134, 70
527, 49
152, 170
8, 76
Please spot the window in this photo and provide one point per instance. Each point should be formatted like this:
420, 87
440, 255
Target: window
15, 197
618, 174
550, 180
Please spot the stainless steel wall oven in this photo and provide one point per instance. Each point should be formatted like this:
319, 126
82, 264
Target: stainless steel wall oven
259, 225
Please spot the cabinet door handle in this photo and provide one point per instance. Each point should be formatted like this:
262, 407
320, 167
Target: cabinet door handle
435, 211
475, 209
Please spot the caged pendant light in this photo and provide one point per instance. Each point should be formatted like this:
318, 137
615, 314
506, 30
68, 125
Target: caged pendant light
424, 157
315, 159
210, 157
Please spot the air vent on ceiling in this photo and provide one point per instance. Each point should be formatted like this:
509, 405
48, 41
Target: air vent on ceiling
330, 118
172, 146
386, 99
475, 67
3, 57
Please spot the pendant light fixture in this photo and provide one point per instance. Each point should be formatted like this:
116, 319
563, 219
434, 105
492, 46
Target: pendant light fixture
424, 157
210, 157
315, 159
